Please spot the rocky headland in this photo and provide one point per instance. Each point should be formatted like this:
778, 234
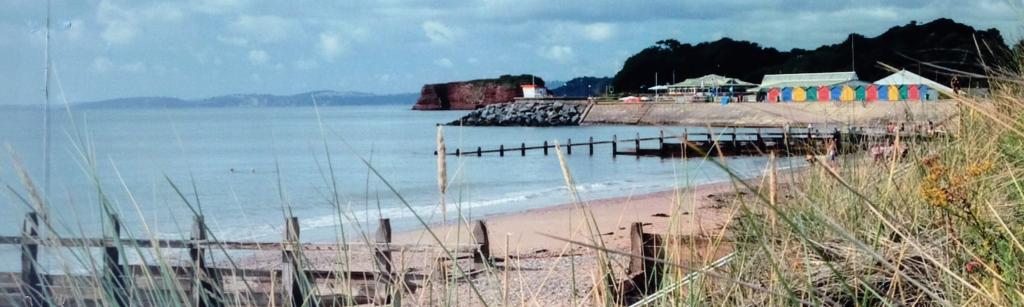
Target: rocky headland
474, 94
531, 114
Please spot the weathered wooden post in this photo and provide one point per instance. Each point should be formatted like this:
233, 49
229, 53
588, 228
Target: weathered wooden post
636, 141
615, 145
661, 138
113, 271
31, 281
760, 140
483, 242
545, 148
568, 147
205, 285
734, 142
479, 151
522, 149
382, 259
591, 145
458, 152
501, 150
686, 135
295, 281
636, 249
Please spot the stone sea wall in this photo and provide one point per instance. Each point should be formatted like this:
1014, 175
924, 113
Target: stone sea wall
531, 114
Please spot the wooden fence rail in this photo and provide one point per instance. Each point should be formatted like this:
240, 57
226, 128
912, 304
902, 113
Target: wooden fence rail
206, 288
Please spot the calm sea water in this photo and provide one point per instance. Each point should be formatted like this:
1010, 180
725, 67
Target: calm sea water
246, 168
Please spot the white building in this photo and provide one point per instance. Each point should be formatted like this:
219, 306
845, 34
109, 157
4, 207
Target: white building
534, 91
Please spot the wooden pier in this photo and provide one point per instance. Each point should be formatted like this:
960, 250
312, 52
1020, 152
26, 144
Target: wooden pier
726, 142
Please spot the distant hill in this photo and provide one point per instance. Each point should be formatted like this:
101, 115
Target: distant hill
941, 42
582, 87
323, 98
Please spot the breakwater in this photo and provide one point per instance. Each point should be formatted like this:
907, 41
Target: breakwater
530, 114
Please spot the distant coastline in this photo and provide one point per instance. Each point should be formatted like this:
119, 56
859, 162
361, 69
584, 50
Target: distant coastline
321, 98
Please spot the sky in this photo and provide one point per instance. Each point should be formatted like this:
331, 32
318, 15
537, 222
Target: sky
102, 49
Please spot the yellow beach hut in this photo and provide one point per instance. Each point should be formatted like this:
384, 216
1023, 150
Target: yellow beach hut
847, 94
894, 92
799, 94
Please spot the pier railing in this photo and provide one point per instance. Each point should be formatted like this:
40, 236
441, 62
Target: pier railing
294, 281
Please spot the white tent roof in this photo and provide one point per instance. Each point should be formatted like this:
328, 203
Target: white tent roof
905, 77
658, 88
805, 79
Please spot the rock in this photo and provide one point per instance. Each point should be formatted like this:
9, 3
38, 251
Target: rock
474, 94
538, 114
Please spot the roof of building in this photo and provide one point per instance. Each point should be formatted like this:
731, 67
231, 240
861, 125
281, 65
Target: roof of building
806, 79
905, 77
712, 80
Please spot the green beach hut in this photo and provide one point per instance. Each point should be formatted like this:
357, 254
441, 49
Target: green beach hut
904, 92
812, 93
861, 93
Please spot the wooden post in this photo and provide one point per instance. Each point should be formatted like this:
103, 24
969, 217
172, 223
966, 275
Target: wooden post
480, 235
568, 147
205, 285
591, 145
479, 151
545, 148
31, 281
294, 279
382, 259
458, 152
615, 145
661, 138
522, 149
501, 150
686, 135
113, 271
734, 135
637, 142
636, 248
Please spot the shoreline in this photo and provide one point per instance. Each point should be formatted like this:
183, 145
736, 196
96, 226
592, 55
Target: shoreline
699, 210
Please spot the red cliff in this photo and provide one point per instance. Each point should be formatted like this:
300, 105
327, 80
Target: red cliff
471, 95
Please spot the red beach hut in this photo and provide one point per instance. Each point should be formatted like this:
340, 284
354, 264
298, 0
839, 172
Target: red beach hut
871, 93
773, 95
824, 93
913, 92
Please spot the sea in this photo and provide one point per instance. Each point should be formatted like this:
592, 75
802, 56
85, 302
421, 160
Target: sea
338, 169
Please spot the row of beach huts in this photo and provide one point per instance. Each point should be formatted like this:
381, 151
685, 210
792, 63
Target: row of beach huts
806, 87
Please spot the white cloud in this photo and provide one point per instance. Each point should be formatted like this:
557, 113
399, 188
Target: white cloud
440, 33
258, 57
218, 6
134, 67
304, 64
102, 64
599, 32
557, 53
122, 25
264, 28
444, 62
330, 46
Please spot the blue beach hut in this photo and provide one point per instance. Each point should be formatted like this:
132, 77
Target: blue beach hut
883, 93
925, 92
787, 94
837, 91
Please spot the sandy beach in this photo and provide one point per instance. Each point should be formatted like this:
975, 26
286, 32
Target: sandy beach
536, 269
699, 210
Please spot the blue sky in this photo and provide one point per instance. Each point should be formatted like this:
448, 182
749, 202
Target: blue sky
191, 48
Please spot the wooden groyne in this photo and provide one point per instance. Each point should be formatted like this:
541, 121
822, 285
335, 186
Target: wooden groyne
726, 142
113, 281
